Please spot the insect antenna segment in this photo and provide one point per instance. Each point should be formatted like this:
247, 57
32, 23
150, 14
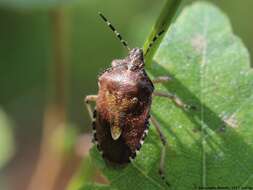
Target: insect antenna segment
153, 40
114, 30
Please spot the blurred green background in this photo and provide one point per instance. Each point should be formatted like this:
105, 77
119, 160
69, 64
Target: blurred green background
51, 52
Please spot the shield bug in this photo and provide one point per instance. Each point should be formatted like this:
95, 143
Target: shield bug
121, 118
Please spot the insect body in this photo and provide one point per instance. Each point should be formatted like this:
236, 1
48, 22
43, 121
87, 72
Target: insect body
121, 118
123, 106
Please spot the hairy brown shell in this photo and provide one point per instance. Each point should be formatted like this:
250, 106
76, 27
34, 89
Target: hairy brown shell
123, 103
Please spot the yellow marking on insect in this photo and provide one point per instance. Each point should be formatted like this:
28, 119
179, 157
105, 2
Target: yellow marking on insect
115, 132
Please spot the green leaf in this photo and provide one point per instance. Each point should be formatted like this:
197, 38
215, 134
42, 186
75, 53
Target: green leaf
83, 176
211, 146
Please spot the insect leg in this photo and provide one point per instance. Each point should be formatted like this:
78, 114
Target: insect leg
161, 79
175, 99
88, 99
164, 142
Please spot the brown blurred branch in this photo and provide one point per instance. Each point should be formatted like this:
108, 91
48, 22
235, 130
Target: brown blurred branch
50, 160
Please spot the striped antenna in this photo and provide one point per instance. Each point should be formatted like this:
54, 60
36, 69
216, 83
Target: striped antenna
153, 40
114, 30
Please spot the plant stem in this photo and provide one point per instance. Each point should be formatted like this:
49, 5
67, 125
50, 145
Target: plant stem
50, 160
162, 24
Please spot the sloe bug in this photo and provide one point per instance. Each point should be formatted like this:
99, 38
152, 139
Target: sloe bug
121, 118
